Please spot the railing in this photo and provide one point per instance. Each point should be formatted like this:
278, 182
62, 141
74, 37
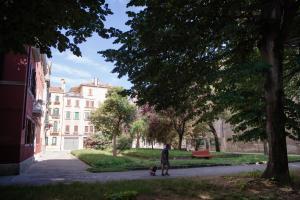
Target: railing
55, 116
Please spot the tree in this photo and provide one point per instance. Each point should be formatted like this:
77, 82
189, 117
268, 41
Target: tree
204, 128
160, 130
179, 120
176, 46
44, 24
115, 113
138, 129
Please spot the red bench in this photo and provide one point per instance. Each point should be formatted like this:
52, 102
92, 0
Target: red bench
201, 154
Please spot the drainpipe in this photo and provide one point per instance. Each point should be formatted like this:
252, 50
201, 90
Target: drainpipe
26, 87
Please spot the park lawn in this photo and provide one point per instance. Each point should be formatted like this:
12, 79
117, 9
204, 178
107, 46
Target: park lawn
103, 161
155, 153
242, 187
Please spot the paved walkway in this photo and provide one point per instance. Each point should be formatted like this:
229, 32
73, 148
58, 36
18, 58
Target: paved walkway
62, 167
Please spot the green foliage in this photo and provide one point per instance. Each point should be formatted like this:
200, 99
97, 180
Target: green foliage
124, 143
45, 24
124, 195
115, 113
139, 127
160, 129
97, 141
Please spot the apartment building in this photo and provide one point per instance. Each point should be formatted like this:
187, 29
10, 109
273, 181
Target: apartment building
24, 82
69, 114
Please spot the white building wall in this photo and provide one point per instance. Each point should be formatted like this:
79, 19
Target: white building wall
94, 94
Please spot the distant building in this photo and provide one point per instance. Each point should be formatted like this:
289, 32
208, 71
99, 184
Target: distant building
24, 81
224, 132
69, 114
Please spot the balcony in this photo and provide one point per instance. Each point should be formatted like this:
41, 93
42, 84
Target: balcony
37, 108
56, 103
55, 116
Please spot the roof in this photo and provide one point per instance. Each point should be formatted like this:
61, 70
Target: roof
56, 90
75, 90
99, 85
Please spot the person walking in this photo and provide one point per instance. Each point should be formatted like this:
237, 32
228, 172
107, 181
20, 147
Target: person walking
164, 159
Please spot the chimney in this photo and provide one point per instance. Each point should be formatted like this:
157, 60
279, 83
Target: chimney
63, 84
95, 81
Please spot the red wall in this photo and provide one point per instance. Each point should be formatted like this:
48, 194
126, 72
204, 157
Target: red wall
12, 90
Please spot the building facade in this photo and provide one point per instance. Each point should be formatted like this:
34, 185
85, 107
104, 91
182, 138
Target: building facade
224, 132
69, 114
24, 79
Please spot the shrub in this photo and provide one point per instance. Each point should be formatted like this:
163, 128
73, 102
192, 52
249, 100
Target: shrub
124, 143
97, 141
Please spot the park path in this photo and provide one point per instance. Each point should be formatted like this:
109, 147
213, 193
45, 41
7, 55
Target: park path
62, 167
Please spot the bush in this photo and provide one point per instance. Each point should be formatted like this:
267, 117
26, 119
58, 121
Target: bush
97, 141
124, 143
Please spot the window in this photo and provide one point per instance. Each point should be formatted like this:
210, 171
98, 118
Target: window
76, 115
56, 112
87, 104
77, 103
75, 129
92, 104
67, 129
33, 82
69, 102
57, 98
46, 141
68, 115
29, 133
90, 92
86, 115
54, 140
86, 129
55, 126
91, 129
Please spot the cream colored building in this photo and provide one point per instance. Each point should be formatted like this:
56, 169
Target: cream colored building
68, 114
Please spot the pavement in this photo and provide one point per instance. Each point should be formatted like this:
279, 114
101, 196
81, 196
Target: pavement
62, 167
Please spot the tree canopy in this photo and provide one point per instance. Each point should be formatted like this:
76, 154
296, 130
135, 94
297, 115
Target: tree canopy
44, 24
176, 50
113, 115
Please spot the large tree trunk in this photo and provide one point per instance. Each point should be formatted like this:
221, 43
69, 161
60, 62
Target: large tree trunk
137, 145
272, 52
207, 143
180, 141
266, 151
114, 145
214, 132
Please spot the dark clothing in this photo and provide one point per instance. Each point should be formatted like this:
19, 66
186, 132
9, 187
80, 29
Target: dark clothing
164, 159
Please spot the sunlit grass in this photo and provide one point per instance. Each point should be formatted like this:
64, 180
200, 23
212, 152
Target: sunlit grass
103, 161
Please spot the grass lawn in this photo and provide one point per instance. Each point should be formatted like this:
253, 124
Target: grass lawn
103, 161
242, 187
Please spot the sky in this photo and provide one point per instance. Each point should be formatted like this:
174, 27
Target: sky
76, 70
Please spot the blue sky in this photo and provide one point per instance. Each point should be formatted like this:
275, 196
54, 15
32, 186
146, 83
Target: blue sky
76, 70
